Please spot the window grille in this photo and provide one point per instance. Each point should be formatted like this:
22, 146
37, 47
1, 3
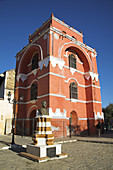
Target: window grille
73, 91
35, 62
34, 91
72, 61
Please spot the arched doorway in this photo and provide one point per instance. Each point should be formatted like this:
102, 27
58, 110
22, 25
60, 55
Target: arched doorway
74, 123
32, 122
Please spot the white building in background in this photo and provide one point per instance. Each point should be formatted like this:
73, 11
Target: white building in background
7, 80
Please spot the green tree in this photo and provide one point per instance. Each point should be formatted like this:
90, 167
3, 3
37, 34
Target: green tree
108, 112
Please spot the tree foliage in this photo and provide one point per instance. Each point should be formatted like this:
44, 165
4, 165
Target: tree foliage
108, 112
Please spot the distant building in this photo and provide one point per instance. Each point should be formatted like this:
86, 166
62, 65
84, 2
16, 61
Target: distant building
7, 80
56, 66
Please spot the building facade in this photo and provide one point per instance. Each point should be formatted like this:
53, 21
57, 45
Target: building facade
56, 66
7, 80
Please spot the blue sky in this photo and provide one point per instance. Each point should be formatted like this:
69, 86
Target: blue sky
19, 18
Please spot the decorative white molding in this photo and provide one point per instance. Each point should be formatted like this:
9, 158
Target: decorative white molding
53, 128
35, 80
99, 115
21, 87
73, 39
18, 58
23, 77
57, 95
81, 101
74, 100
51, 94
34, 101
43, 62
29, 64
87, 76
49, 73
81, 45
56, 36
57, 114
91, 118
54, 62
75, 55
62, 23
45, 36
66, 81
45, 95
65, 56
93, 76
31, 109
91, 85
93, 55
59, 32
57, 75
62, 96
73, 70
44, 75
50, 31
34, 71
80, 62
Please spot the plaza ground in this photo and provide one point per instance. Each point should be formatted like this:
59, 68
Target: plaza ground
84, 154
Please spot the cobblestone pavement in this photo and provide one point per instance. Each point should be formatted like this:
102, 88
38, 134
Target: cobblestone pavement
81, 156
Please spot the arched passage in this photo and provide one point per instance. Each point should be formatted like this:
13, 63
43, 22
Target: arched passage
74, 118
83, 55
27, 55
74, 123
32, 122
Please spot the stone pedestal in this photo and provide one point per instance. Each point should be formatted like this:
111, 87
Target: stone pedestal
43, 147
44, 150
43, 134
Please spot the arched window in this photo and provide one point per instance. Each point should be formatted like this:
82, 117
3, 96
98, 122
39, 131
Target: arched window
72, 61
73, 91
33, 91
35, 62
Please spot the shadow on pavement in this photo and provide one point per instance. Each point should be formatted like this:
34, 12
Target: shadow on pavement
17, 148
4, 142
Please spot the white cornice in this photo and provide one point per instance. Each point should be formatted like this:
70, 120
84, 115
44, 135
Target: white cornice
72, 39
60, 33
67, 26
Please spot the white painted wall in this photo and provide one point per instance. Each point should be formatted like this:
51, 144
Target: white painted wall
6, 112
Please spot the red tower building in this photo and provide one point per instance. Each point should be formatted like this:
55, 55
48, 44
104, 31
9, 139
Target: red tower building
56, 66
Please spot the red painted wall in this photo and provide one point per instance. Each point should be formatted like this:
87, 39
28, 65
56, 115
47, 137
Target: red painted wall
54, 38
